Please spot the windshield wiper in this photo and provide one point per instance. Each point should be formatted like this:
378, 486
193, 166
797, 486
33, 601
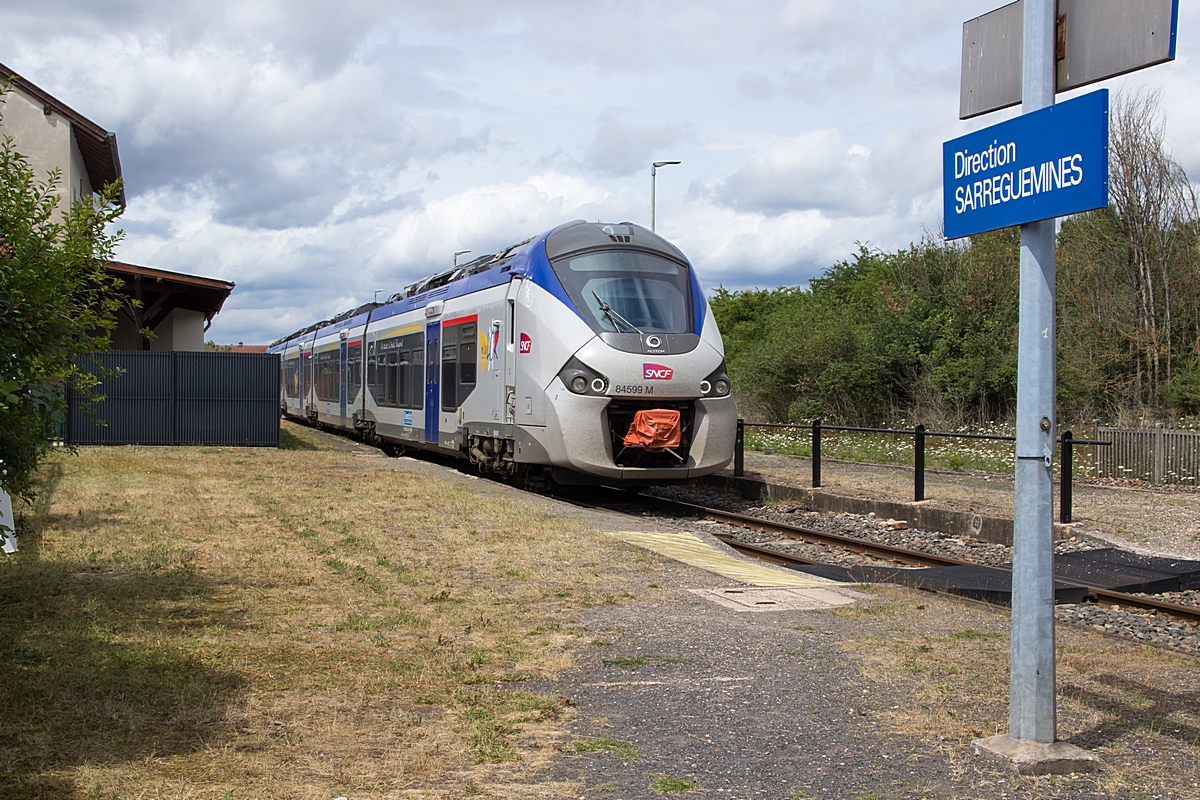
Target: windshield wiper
613, 316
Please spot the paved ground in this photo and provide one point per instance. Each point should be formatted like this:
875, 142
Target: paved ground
1160, 521
752, 705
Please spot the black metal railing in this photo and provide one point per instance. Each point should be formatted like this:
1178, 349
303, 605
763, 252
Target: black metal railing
919, 434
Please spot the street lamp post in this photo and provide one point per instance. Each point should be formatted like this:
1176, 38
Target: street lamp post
459, 253
653, 180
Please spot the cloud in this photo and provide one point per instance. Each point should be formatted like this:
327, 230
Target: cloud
819, 169
815, 170
619, 149
314, 152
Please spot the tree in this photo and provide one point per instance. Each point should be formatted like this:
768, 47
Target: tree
57, 305
1131, 289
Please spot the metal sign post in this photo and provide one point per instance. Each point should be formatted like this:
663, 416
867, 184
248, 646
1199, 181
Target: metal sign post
1032, 710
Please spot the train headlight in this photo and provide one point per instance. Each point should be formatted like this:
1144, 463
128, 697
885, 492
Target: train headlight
582, 379
716, 384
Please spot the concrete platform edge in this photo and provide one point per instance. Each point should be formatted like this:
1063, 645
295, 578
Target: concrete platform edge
997, 530
1036, 758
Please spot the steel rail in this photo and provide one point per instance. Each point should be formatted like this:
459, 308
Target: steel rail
883, 552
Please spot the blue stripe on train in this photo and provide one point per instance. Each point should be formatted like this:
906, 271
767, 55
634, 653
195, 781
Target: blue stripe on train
530, 262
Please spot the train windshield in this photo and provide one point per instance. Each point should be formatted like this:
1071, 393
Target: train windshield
627, 291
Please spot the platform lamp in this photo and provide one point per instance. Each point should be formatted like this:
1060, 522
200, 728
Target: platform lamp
459, 253
653, 179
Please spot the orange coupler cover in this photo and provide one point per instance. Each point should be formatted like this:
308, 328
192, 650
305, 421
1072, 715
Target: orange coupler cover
654, 429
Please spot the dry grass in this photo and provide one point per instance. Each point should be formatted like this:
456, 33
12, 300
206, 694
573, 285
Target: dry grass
301, 623
942, 676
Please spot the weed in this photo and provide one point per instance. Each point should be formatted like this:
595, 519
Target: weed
621, 749
637, 662
665, 784
971, 633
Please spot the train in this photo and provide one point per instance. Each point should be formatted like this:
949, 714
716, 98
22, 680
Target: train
585, 355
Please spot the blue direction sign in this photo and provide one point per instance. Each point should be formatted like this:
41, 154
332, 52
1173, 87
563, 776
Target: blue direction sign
1049, 163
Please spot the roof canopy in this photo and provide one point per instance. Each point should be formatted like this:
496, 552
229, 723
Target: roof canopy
161, 292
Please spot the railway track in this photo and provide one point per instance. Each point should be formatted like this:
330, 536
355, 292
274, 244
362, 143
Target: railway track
895, 556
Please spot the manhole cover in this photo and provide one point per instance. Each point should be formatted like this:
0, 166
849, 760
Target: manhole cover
791, 598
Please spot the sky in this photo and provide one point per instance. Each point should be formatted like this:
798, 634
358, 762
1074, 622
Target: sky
315, 152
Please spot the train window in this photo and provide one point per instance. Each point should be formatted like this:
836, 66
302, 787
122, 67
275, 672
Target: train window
417, 371
468, 357
291, 377
449, 373
328, 366
353, 372
628, 291
402, 387
393, 373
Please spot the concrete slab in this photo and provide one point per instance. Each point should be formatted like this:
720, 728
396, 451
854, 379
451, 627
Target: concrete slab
794, 598
688, 548
1036, 758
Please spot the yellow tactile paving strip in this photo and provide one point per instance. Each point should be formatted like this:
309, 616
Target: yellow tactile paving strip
683, 546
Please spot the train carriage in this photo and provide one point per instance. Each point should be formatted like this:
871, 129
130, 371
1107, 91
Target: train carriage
586, 354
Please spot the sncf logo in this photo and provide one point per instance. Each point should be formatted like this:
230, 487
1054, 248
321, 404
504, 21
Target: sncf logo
657, 372
526, 343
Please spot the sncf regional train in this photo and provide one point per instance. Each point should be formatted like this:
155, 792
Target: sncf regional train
586, 354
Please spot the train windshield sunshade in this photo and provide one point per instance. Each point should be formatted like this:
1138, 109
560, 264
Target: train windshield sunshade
627, 291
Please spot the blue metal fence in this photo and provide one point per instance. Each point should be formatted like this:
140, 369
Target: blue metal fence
180, 398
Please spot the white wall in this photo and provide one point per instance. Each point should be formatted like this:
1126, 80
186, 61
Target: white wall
47, 141
181, 330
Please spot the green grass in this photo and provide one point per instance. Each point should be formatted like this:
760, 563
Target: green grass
883, 448
970, 633
290, 441
637, 662
665, 784
621, 749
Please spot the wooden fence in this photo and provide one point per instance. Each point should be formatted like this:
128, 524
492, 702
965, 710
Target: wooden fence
1157, 455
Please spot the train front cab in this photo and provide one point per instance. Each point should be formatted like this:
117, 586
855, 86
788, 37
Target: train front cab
634, 318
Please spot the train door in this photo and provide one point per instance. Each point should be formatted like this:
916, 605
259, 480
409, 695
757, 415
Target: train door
510, 352
343, 380
433, 372
530, 394
305, 358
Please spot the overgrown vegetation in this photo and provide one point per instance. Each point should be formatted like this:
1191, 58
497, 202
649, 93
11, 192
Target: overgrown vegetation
929, 333
57, 303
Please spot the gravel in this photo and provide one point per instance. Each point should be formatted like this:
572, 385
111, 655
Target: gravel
1149, 627
858, 526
